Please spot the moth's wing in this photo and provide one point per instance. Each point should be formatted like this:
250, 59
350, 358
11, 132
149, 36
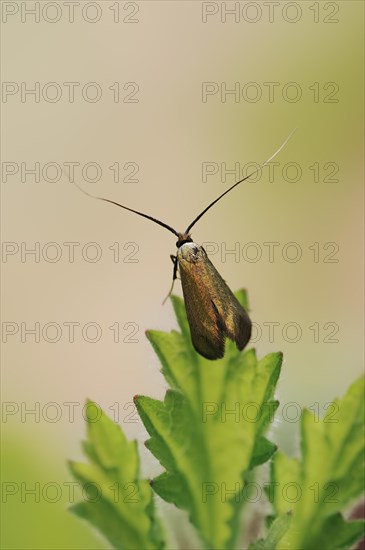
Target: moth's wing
206, 329
213, 311
234, 318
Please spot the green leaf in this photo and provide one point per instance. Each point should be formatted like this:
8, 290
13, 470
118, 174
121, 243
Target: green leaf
277, 530
262, 452
116, 501
208, 431
326, 480
336, 533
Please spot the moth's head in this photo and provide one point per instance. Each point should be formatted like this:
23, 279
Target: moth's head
190, 252
183, 238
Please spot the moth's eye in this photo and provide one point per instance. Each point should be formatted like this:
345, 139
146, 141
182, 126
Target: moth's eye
195, 250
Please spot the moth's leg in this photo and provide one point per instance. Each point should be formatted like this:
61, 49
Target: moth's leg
174, 275
176, 266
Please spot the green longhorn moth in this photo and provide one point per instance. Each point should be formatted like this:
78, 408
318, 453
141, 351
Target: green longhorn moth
213, 312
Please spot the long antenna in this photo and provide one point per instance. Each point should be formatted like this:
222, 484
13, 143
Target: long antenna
238, 182
130, 209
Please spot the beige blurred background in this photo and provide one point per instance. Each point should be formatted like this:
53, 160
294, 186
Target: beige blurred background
162, 131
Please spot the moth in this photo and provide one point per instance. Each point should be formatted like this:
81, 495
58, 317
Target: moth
213, 312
